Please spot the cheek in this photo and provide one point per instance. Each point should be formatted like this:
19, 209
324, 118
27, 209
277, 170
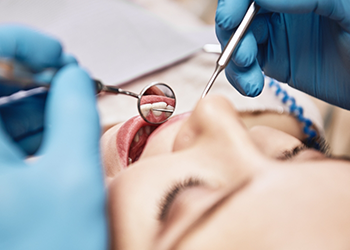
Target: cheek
272, 142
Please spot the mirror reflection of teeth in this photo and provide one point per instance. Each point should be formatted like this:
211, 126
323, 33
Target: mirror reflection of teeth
169, 107
158, 105
145, 108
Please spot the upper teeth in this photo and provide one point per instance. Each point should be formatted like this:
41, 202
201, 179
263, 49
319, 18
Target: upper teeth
169, 107
145, 108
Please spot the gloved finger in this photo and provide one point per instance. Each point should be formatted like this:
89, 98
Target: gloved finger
248, 81
72, 122
34, 49
23, 120
334, 9
275, 65
230, 13
246, 52
68, 59
46, 76
259, 28
10, 155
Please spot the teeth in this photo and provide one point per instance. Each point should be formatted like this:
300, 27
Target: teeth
145, 108
140, 132
129, 161
158, 105
169, 107
148, 130
137, 137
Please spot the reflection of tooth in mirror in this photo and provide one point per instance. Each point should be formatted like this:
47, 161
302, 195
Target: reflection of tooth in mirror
157, 103
145, 108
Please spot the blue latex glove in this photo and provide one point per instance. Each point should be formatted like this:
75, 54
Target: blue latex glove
23, 120
308, 48
58, 200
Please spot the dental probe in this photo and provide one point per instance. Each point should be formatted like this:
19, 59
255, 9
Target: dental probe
232, 44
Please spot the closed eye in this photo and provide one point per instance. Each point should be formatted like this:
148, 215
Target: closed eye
290, 154
169, 197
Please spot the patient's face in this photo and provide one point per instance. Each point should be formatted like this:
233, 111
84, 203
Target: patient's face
203, 181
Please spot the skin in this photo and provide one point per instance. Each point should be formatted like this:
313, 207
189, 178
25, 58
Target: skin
248, 199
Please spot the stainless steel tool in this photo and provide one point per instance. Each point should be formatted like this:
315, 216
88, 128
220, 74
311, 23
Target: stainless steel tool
232, 44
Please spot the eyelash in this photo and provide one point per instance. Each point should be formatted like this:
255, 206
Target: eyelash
171, 194
294, 152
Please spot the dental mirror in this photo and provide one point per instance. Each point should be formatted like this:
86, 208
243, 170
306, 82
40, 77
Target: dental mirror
156, 102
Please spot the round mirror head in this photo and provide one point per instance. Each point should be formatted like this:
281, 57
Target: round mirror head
157, 103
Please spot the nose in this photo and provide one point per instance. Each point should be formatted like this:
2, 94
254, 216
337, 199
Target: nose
216, 126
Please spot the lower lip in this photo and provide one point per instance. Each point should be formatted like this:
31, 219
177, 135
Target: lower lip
125, 136
129, 129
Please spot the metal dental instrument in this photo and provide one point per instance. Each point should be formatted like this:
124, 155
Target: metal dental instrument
232, 44
156, 102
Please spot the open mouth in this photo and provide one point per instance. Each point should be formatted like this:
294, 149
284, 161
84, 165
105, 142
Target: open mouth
133, 135
132, 138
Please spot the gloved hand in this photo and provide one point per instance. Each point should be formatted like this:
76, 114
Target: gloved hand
23, 119
56, 201
308, 48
